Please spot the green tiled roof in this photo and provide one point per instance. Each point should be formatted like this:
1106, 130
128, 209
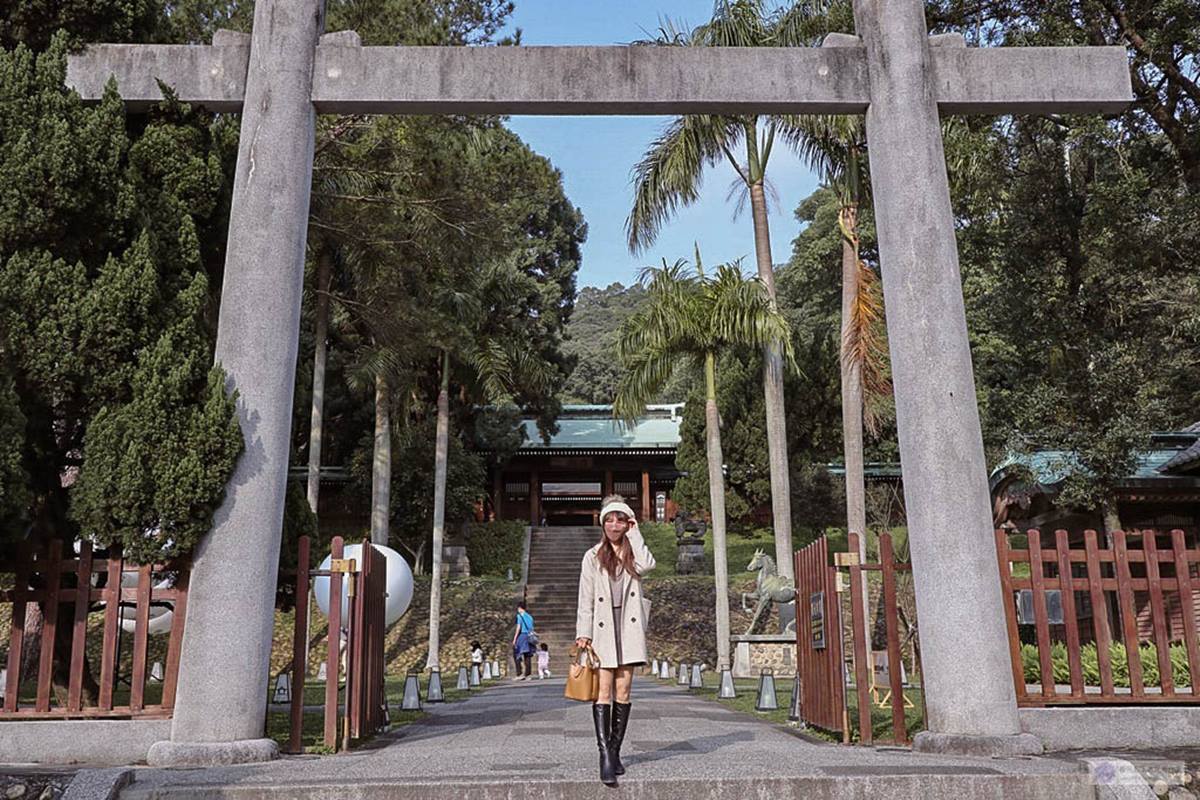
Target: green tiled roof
1168, 452
875, 470
593, 428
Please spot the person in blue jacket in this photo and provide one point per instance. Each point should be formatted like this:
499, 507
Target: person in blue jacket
522, 646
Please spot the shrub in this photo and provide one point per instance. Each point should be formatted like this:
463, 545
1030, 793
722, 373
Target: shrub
1090, 661
1030, 664
1179, 665
1149, 656
1090, 664
496, 547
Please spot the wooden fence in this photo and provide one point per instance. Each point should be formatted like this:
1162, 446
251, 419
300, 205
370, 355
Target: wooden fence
367, 706
1092, 590
867, 665
365, 696
819, 638
66, 591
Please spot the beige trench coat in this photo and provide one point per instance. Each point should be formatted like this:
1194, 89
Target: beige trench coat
594, 617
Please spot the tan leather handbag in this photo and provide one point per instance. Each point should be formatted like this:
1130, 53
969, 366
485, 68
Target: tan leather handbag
583, 680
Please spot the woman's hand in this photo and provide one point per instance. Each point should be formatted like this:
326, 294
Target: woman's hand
583, 643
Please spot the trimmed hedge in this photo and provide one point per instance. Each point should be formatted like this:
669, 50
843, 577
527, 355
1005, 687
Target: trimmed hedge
1090, 664
496, 547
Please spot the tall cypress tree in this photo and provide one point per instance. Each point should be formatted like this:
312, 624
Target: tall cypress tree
104, 335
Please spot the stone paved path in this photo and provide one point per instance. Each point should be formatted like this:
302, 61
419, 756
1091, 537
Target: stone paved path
519, 740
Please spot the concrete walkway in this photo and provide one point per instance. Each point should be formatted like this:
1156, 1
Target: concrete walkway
523, 740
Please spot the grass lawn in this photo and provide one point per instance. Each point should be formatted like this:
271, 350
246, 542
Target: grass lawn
660, 538
747, 691
151, 696
312, 738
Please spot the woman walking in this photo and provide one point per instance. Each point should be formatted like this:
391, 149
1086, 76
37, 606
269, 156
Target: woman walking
612, 620
521, 644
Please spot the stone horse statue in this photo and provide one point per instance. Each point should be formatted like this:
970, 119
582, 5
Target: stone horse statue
772, 588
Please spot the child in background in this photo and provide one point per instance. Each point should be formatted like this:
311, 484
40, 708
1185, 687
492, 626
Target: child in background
543, 661
477, 655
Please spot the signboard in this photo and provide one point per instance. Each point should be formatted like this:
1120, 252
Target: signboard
816, 616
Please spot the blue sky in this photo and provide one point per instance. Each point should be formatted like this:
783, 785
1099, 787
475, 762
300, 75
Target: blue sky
596, 154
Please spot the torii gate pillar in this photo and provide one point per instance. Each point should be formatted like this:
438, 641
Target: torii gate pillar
223, 673
966, 672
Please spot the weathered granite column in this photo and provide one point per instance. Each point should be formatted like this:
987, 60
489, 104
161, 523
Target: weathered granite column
967, 677
223, 674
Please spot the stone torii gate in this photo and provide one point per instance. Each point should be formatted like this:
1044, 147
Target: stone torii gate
286, 72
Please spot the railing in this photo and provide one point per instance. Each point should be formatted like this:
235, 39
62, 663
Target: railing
879, 678
68, 591
365, 696
367, 706
819, 638
1078, 593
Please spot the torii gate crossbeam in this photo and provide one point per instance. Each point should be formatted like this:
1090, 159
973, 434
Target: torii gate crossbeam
351, 79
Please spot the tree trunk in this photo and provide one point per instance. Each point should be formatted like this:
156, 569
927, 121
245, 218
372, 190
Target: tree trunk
324, 265
1112, 520
852, 395
31, 646
441, 455
716, 493
381, 474
60, 673
781, 492
1110, 617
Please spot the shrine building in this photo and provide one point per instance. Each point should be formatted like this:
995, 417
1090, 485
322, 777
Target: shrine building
561, 482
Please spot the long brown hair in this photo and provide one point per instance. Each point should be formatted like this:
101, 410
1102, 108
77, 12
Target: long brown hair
609, 560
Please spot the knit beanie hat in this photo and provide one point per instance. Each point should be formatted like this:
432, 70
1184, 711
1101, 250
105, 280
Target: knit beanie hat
616, 506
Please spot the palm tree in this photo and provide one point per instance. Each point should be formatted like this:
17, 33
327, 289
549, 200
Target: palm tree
694, 318
835, 147
670, 174
494, 363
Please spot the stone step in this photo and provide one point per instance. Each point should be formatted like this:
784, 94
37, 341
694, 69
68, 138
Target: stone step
835, 782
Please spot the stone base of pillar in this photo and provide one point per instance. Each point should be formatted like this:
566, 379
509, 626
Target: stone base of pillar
690, 559
1017, 744
211, 754
455, 563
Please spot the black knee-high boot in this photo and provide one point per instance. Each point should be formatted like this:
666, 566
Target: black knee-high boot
601, 716
616, 735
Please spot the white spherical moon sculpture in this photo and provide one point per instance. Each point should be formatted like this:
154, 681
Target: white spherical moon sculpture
159, 617
399, 583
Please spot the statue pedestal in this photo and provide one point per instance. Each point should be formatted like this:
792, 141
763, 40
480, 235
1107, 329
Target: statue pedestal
690, 559
774, 650
455, 563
